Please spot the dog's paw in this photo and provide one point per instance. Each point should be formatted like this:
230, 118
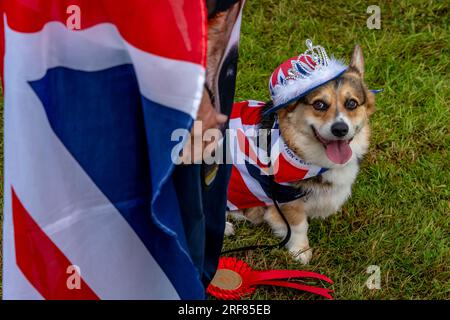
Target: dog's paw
229, 229
237, 215
301, 254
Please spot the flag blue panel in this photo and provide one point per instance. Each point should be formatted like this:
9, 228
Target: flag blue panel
122, 141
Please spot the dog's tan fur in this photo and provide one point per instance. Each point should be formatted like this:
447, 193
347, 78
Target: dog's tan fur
329, 191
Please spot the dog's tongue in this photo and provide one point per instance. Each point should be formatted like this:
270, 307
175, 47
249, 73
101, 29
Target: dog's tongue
339, 151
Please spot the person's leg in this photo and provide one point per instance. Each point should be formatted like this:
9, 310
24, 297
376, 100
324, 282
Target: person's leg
214, 205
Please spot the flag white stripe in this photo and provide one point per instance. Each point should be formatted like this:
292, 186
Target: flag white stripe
101, 47
255, 103
231, 206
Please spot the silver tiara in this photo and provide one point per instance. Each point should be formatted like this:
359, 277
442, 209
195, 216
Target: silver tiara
303, 69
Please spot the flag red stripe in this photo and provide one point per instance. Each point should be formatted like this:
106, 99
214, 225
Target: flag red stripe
171, 29
41, 261
239, 194
237, 109
290, 173
2, 45
247, 115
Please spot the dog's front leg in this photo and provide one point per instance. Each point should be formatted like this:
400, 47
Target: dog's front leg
298, 245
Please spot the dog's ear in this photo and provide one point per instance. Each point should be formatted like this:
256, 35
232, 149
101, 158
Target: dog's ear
357, 61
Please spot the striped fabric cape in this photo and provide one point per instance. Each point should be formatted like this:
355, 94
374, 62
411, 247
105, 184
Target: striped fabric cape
253, 173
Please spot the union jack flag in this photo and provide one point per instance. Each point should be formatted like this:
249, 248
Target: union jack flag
88, 119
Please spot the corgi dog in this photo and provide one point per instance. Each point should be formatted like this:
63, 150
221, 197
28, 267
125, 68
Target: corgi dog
328, 127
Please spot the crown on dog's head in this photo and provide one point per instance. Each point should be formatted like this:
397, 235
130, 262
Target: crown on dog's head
314, 58
298, 76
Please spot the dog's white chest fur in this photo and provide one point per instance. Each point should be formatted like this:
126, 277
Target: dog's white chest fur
325, 201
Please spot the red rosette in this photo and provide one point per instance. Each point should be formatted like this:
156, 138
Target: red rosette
231, 280
234, 280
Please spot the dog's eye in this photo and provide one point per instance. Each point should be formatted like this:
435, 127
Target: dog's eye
351, 104
320, 105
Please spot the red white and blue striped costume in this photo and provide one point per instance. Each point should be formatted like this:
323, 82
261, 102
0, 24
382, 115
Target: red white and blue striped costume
251, 181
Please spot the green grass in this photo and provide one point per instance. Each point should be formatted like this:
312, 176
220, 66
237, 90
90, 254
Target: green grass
398, 216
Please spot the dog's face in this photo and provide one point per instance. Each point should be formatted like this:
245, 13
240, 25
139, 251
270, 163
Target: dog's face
329, 127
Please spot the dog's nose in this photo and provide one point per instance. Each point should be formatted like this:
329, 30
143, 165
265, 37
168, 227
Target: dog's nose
339, 129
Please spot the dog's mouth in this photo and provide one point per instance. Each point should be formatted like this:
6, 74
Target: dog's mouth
337, 151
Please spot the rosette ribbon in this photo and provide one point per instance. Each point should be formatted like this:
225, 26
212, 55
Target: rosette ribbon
235, 280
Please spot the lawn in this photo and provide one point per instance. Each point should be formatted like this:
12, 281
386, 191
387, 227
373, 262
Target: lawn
398, 216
